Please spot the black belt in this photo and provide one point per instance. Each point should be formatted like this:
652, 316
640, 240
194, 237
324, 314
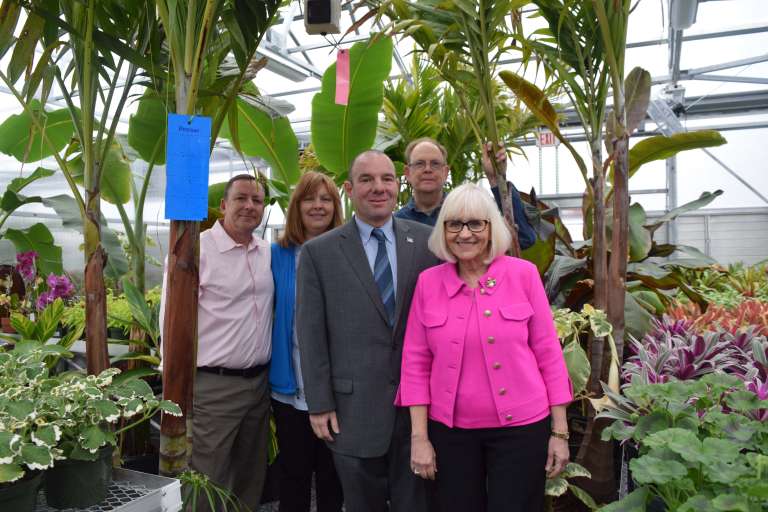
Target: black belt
247, 373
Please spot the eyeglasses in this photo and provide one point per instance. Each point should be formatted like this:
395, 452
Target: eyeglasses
420, 165
475, 226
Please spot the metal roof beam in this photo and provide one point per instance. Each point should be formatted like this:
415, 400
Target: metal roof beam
727, 65
737, 31
731, 78
675, 49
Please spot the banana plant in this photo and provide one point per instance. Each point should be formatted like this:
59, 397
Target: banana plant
341, 132
465, 40
202, 38
92, 52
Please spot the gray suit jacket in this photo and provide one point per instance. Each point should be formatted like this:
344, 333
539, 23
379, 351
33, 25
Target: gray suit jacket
350, 356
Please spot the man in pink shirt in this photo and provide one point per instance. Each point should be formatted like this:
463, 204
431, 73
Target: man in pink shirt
230, 421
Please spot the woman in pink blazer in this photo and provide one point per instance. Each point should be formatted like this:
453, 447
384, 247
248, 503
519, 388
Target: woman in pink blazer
483, 372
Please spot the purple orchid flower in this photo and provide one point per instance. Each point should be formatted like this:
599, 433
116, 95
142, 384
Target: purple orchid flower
25, 265
60, 286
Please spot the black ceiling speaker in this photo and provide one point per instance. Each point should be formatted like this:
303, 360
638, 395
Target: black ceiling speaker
322, 16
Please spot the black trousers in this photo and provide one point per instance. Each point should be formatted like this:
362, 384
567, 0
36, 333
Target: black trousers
301, 454
491, 469
386, 483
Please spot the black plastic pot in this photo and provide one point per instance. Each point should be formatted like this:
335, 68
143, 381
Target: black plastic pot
21, 496
147, 463
79, 483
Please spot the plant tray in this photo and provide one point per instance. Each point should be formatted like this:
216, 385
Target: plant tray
132, 491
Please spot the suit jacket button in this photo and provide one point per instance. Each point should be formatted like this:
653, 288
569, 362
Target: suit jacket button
487, 312
508, 417
496, 365
491, 340
503, 391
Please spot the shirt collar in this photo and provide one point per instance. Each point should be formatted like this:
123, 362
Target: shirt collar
489, 282
411, 205
224, 242
366, 229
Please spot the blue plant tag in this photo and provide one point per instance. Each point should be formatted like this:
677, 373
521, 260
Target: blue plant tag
186, 170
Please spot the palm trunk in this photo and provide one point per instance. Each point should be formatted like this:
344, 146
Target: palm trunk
179, 344
95, 293
180, 331
619, 244
594, 454
599, 260
97, 355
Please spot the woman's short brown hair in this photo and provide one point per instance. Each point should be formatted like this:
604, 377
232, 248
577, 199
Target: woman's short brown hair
308, 184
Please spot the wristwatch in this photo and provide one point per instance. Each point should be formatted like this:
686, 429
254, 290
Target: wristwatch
560, 435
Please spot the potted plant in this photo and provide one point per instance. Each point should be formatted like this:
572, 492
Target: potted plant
28, 441
66, 423
94, 405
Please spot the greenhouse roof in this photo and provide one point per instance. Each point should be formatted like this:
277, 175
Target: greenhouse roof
714, 73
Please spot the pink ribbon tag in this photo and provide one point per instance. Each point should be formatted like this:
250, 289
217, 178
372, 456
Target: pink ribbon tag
342, 77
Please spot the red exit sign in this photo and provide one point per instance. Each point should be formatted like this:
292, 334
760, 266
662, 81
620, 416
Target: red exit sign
547, 139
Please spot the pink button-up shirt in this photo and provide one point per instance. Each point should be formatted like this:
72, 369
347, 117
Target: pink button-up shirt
522, 362
234, 312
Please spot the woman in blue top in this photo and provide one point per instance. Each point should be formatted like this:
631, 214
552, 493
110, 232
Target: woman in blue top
314, 208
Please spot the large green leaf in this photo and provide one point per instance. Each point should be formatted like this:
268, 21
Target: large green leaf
541, 254
649, 469
632, 502
146, 128
12, 200
637, 94
704, 199
689, 257
341, 132
636, 318
17, 184
578, 366
216, 194
561, 267
38, 238
661, 147
535, 99
639, 237
24, 49
9, 17
116, 176
67, 209
15, 133
273, 139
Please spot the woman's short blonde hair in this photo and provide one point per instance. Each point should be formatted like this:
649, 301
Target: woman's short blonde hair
467, 202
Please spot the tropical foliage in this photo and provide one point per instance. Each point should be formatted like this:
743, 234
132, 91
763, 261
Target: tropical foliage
427, 106
702, 444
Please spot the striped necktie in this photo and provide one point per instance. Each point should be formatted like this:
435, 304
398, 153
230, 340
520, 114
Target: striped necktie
382, 274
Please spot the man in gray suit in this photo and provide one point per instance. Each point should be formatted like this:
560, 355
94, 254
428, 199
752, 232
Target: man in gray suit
355, 285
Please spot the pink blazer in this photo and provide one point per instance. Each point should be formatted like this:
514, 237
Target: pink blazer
524, 360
